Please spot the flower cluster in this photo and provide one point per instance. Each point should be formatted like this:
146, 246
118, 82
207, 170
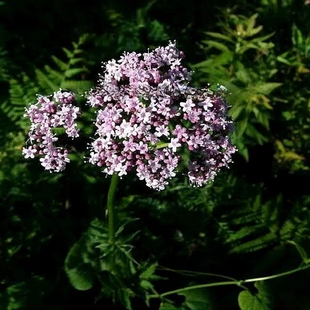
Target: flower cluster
150, 120
49, 115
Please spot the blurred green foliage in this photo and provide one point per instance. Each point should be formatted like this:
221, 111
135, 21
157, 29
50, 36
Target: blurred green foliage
253, 221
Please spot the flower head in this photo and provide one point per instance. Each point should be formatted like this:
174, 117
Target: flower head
148, 118
47, 115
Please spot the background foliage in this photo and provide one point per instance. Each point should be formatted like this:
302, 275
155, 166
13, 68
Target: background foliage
253, 221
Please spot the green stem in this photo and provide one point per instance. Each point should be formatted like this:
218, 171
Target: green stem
236, 282
278, 275
194, 287
197, 273
110, 208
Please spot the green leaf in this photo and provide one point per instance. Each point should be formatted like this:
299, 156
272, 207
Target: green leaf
242, 127
243, 76
242, 148
292, 156
267, 88
148, 272
168, 306
258, 301
219, 36
251, 22
246, 47
198, 299
297, 37
285, 61
147, 285
254, 31
263, 38
81, 277
217, 45
79, 272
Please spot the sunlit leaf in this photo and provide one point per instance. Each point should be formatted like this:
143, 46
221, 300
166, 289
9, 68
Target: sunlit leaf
255, 301
267, 88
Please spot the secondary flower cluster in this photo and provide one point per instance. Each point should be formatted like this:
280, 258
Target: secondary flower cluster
47, 115
150, 120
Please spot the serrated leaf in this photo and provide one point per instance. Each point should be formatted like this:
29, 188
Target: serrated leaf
243, 76
292, 156
235, 111
254, 31
146, 285
242, 127
246, 47
286, 61
219, 36
148, 272
252, 21
217, 45
259, 301
266, 88
263, 38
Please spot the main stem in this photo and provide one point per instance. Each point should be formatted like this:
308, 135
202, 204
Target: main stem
110, 208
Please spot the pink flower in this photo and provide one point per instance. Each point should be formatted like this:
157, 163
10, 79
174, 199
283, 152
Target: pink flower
147, 118
47, 114
158, 116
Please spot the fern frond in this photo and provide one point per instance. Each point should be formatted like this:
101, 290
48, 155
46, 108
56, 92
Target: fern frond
76, 85
62, 65
243, 233
259, 225
49, 82
69, 73
22, 92
256, 244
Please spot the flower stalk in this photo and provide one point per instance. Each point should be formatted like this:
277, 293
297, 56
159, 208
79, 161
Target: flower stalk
111, 208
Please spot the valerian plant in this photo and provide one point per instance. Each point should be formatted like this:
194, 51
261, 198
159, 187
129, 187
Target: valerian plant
149, 120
